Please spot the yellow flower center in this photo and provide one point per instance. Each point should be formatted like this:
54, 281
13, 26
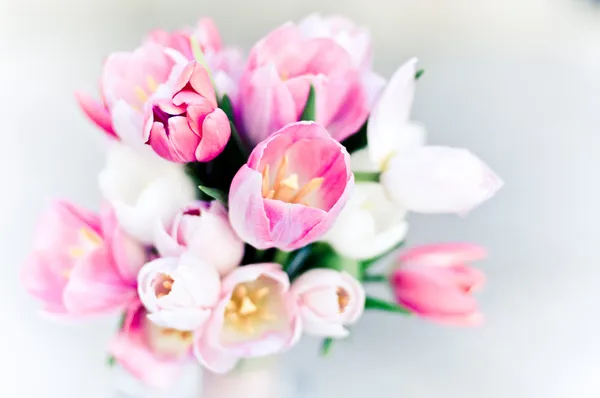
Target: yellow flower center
285, 187
89, 241
144, 94
163, 285
343, 299
248, 306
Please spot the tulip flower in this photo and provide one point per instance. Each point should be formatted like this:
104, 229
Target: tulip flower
275, 85
82, 263
179, 292
355, 40
328, 300
256, 316
225, 63
152, 354
201, 228
369, 225
145, 190
187, 126
293, 187
436, 283
129, 80
424, 179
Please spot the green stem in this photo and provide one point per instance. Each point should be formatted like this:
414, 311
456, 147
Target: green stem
366, 176
374, 278
282, 257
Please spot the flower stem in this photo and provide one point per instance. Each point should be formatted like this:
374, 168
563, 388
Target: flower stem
366, 176
374, 278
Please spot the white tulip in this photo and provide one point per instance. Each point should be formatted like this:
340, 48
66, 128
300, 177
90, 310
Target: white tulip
422, 178
143, 189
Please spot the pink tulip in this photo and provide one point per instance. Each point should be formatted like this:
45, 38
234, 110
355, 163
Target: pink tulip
435, 282
179, 292
128, 80
356, 40
275, 85
291, 190
150, 353
225, 63
328, 300
202, 228
188, 126
256, 316
82, 264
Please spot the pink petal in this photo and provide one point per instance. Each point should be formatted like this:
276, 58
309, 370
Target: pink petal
430, 292
41, 282
352, 112
96, 112
290, 223
246, 209
252, 272
208, 34
215, 360
443, 254
216, 132
265, 104
95, 286
183, 141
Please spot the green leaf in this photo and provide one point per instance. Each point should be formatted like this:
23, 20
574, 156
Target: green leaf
366, 176
419, 74
326, 346
366, 264
373, 303
297, 261
111, 361
357, 140
310, 110
227, 107
214, 194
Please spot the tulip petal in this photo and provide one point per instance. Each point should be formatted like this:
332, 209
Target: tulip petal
266, 104
217, 361
439, 180
391, 113
128, 124
181, 319
247, 216
95, 286
96, 112
444, 255
216, 131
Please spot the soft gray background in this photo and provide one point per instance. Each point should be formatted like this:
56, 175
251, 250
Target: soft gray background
517, 81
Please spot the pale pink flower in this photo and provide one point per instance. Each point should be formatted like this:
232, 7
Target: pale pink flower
436, 282
187, 125
276, 81
291, 190
152, 354
179, 292
201, 228
128, 80
328, 300
424, 179
82, 264
256, 316
356, 40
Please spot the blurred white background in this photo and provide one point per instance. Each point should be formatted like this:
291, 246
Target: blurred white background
516, 81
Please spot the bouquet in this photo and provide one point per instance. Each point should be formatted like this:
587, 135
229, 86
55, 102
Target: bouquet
246, 199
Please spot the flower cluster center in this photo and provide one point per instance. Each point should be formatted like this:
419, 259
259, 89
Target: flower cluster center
247, 307
343, 299
163, 285
285, 187
144, 93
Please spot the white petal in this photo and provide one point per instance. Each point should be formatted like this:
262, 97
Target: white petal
146, 276
201, 280
392, 113
316, 326
180, 319
369, 225
128, 124
439, 180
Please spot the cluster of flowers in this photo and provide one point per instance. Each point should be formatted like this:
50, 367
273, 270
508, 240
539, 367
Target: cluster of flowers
246, 198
